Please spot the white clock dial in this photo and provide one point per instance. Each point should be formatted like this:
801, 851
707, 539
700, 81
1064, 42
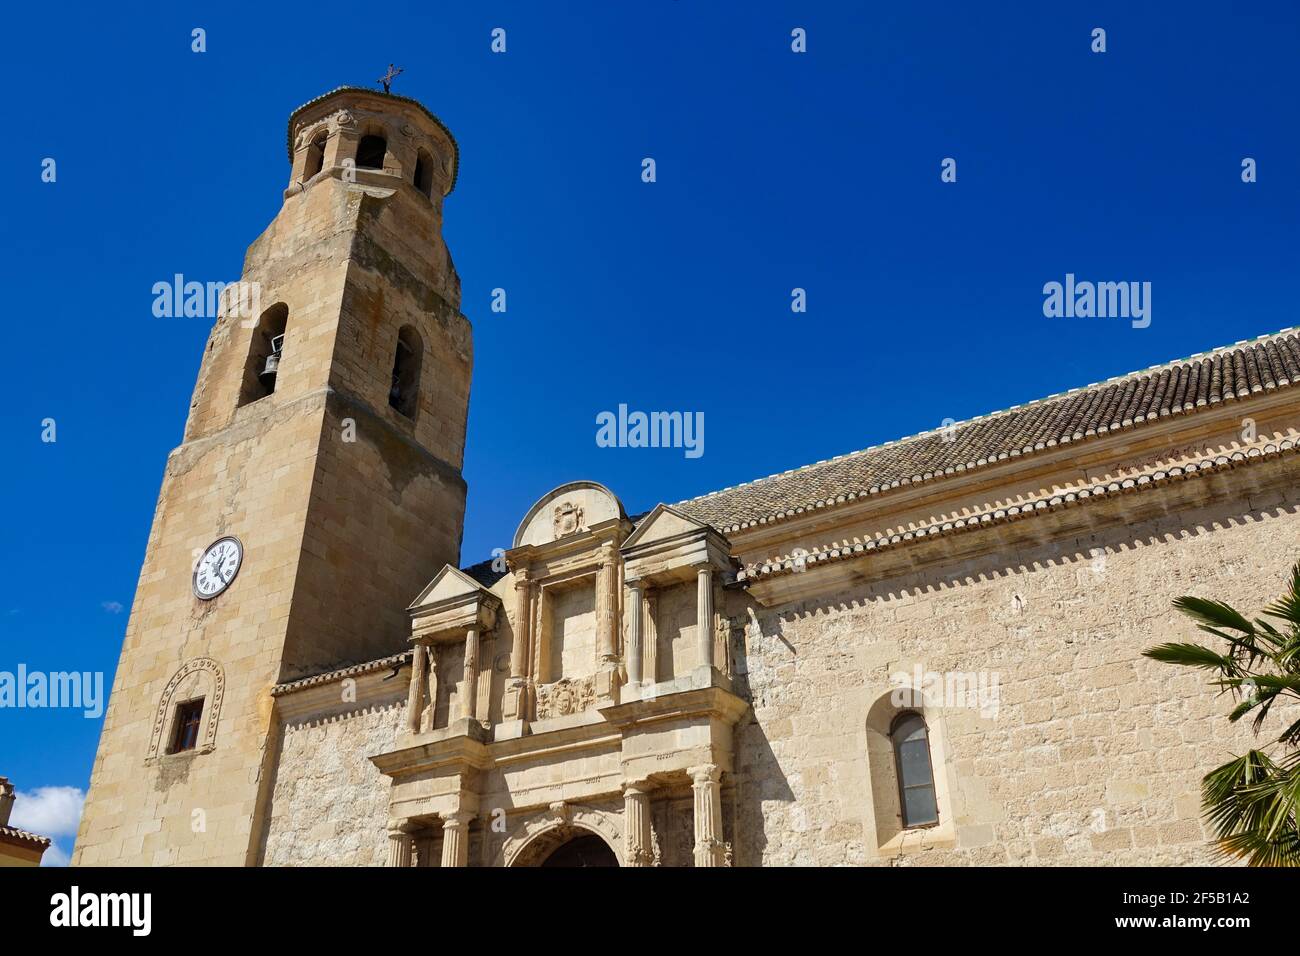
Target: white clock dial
218, 567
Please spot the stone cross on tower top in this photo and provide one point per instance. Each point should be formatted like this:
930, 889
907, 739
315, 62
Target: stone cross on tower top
387, 78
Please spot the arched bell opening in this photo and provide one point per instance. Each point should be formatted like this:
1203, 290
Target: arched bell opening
265, 349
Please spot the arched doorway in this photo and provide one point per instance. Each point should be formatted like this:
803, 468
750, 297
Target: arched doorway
565, 844
582, 851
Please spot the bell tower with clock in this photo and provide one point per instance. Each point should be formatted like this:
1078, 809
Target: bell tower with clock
317, 488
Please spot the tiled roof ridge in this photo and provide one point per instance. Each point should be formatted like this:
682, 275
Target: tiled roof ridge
1136, 376
1158, 476
20, 834
354, 670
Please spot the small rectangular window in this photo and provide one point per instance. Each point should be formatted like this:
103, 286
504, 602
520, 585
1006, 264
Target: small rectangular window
185, 735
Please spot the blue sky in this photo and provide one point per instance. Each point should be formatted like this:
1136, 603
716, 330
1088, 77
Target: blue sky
775, 170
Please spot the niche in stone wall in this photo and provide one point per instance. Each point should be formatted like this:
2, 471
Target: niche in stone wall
573, 632
675, 623
566, 664
451, 683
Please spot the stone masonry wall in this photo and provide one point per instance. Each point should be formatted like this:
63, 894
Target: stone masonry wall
1095, 754
330, 804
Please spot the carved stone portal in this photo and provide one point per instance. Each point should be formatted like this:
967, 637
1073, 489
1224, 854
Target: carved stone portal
536, 838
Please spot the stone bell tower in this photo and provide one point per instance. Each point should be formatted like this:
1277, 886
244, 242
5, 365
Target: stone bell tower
317, 489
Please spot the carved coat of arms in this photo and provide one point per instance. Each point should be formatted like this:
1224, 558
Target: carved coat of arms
567, 519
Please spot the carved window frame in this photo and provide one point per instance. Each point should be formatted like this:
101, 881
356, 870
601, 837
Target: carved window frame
211, 685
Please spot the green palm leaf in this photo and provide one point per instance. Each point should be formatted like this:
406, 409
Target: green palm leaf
1252, 802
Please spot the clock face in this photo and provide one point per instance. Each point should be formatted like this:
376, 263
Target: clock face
218, 567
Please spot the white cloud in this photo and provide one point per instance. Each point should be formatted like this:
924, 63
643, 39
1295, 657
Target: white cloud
112, 607
48, 811
54, 856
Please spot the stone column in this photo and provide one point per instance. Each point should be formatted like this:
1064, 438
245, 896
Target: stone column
455, 838
704, 614
434, 677
637, 846
415, 694
542, 634
635, 655
513, 707
471, 673
708, 815
607, 604
399, 844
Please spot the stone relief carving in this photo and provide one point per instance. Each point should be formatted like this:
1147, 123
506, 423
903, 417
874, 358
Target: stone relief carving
204, 674
536, 836
566, 696
567, 519
656, 849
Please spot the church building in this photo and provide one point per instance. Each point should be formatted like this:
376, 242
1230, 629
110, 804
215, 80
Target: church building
926, 652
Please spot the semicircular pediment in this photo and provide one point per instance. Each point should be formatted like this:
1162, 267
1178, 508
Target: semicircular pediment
566, 510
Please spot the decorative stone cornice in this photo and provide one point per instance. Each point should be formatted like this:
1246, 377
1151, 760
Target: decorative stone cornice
394, 662
668, 546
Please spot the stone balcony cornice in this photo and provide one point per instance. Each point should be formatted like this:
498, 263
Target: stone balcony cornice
467, 745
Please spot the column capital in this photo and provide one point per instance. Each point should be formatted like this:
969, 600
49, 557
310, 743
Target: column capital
458, 818
396, 826
399, 844
705, 773
640, 785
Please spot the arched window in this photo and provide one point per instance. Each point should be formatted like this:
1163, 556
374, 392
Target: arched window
189, 710
424, 173
371, 151
915, 774
264, 352
405, 392
315, 155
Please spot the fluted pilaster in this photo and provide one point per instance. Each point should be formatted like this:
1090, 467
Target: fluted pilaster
471, 673
709, 850
399, 845
704, 614
455, 838
637, 847
635, 655
415, 693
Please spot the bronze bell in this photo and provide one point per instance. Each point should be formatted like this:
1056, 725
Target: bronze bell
267, 375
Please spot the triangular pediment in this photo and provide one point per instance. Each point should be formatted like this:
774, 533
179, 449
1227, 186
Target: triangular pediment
662, 523
448, 584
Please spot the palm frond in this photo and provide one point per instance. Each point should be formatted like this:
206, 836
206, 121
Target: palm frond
1191, 655
1214, 613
